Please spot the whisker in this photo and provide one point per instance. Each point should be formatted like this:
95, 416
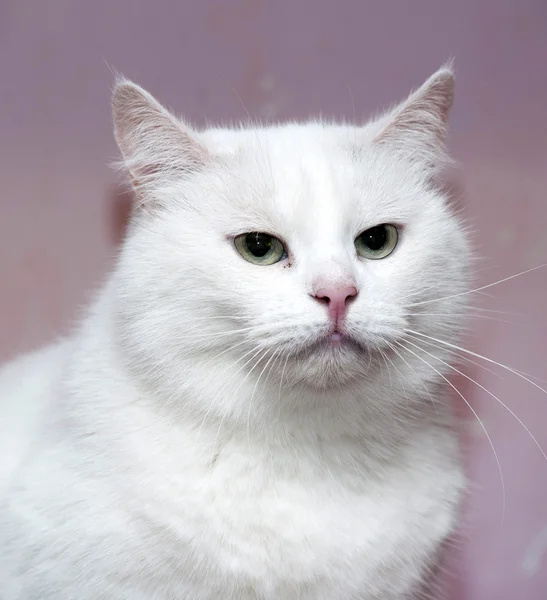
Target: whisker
481, 309
383, 355
229, 349
253, 395
460, 356
488, 392
262, 354
483, 287
467, 314
521, 374
255, 329
282, 376
393, 349
476, 416
414, 371
254, 349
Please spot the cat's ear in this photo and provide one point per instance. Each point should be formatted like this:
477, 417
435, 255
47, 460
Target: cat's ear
416, 128
154, 143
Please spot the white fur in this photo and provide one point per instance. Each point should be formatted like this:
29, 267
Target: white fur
193, 439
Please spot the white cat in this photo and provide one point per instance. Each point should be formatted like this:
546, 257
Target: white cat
244, 412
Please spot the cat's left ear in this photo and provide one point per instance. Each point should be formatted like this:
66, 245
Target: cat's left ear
155, 145
416, 128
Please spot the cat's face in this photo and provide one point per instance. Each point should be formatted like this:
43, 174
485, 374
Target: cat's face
298, 251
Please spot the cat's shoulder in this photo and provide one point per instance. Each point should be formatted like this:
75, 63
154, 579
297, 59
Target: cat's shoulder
27, 384
27, 368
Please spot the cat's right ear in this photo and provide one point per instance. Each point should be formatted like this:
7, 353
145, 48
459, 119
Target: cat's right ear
416, 128
155, 145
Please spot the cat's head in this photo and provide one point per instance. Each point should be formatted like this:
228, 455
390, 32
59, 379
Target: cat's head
303, 252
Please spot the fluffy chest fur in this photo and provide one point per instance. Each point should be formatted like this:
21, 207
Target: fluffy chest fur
182, 512
321, 532
279, 536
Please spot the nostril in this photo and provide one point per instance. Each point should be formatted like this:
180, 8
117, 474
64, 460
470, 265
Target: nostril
336, 300
349, 293
336, 295
322, 296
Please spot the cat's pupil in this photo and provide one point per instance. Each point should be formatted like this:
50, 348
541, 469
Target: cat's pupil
258, 244
375, 238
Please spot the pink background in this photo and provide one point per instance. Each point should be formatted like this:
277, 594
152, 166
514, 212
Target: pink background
61, 215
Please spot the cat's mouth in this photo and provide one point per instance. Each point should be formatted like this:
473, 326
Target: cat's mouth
335, 345
332, 344
341, 340
337, 339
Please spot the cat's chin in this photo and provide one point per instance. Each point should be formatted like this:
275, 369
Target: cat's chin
333, 360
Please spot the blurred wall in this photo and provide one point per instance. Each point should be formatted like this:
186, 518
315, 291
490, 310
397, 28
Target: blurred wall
219, 60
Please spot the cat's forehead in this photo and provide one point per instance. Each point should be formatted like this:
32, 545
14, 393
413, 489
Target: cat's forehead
276, 136
285, 150
313, 175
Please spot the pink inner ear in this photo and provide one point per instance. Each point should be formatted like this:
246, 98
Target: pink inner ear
152, 140
419, 123
174, 153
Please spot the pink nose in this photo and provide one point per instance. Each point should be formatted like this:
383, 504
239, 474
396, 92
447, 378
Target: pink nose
336, 300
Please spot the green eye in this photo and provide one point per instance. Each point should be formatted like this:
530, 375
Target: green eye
377, 242
260, 248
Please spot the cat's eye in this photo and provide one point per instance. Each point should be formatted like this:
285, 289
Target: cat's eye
260, 248
377, 242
